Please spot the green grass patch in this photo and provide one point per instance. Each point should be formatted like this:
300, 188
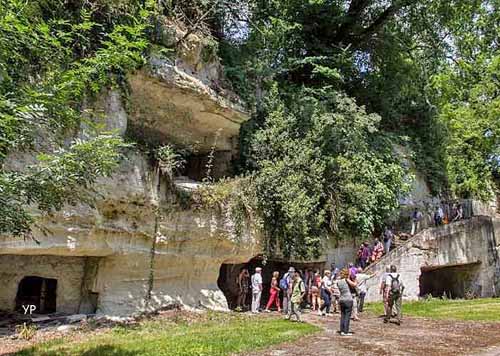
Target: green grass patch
487, 309
216, 334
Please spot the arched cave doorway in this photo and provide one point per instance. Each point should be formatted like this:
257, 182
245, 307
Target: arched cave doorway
453, 281
37, 291
228, 275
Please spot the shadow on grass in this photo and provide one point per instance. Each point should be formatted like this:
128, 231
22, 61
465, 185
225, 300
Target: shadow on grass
100, 350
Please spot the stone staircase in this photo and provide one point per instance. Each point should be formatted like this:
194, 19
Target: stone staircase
470, 241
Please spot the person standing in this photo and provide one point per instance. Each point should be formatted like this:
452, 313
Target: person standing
315, 289
365, 255
256, 289
286, 287
308, 278
459, 214
438, 216
387, 237
378, 251
383, 290
361, 279
335, 295
394, 290
274, 293
345, 284
441, 214
355, 295
297, 296
416, 216
242, 282
326, 293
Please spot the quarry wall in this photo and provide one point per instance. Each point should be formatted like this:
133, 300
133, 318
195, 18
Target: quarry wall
473, 242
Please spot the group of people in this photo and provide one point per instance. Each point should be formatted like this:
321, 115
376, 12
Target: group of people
368, 254
441, 217
443, 213
341, 290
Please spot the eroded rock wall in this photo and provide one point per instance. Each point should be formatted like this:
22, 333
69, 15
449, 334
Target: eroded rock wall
175, 99
190, 246
472, 241
69, 272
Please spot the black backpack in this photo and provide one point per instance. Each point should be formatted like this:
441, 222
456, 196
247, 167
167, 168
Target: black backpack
395, 290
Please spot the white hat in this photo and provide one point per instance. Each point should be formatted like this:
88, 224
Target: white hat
258, 269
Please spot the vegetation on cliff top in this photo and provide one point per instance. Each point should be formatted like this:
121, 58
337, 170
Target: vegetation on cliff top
332, 85
53, 56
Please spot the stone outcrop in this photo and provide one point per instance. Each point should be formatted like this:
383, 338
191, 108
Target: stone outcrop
466, 251
190, 247
117, 257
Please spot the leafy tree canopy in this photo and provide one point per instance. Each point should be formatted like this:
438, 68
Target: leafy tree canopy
53, 55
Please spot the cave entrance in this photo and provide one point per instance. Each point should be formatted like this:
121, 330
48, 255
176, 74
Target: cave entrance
37, 291
197, 165
228, 276
453, 281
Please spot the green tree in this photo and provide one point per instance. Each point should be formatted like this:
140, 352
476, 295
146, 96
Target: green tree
322, 168
65, 177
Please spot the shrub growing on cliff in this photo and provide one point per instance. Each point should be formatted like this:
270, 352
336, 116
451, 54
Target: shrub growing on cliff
62, 178
322, 168
54, 55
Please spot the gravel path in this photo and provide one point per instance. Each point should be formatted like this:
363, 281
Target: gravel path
416, 336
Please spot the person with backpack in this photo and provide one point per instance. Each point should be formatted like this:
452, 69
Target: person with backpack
274, 293
286, 287
256, 290
395, 288
387, 238
335, 294
378, 251
297, 296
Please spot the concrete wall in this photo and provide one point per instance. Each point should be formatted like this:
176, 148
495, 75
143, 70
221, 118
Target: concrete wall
467, 241
68, 271
342, 253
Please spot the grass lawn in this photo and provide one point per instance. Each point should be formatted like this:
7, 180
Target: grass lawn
211, 334
487, 309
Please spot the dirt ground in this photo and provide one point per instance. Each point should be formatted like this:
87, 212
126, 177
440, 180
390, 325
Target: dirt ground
415, 336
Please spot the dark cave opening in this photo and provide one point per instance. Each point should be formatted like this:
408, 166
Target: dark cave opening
228, 276
37, 291
451, 281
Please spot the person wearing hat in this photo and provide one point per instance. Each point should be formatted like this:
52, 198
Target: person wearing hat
256, 289
287, 293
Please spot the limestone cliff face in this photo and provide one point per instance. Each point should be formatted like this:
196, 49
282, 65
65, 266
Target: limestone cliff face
107, 258
454, 259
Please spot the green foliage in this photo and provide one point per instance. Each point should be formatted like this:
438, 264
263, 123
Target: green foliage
65, 177
52, 57
236, 198
427, 68
468, 97
321, 168
169, 160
